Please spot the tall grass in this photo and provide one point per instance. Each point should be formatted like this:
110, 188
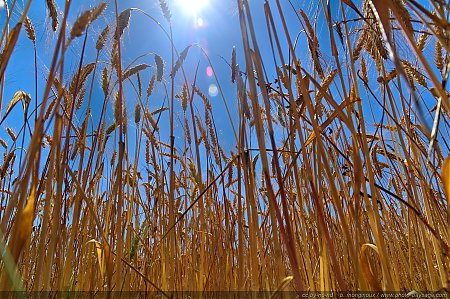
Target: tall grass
336, 182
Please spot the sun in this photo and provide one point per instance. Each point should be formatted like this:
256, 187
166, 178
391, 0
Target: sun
192, 7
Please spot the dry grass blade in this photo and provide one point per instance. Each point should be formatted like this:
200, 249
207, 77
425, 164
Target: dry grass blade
381, 13
123, 22
100, 257
179, 62
8, 49
6, 164
160, 110
137, 114
364, 69
328, 80
165, 10
102, 38
413, 73
352, 6
371, 38
148, 116
368, 275
51, 6
421, 42
313, 44
25, 227
10, 268
134, 70
80, 78
438, 57
3, 143
105, 82
11, 134
182, 215
29, 28
111, 129
86, 19
151, 85
445, 172
233, 65
19, 95
159, 68
184, 97
405, 16
338, 112
284, 283
204, 98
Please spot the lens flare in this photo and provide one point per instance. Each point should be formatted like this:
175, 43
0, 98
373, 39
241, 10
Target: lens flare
213, 91
209, 71
192, 7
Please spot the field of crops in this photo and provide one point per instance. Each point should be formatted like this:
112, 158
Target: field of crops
115, 176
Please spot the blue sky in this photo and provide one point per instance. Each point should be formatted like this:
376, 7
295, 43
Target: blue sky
215, 27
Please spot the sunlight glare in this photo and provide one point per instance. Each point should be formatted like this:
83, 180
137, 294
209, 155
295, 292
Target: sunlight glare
213, 90
192, 7
200, 22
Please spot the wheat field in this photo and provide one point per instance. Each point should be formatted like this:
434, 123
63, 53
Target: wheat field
338, 178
